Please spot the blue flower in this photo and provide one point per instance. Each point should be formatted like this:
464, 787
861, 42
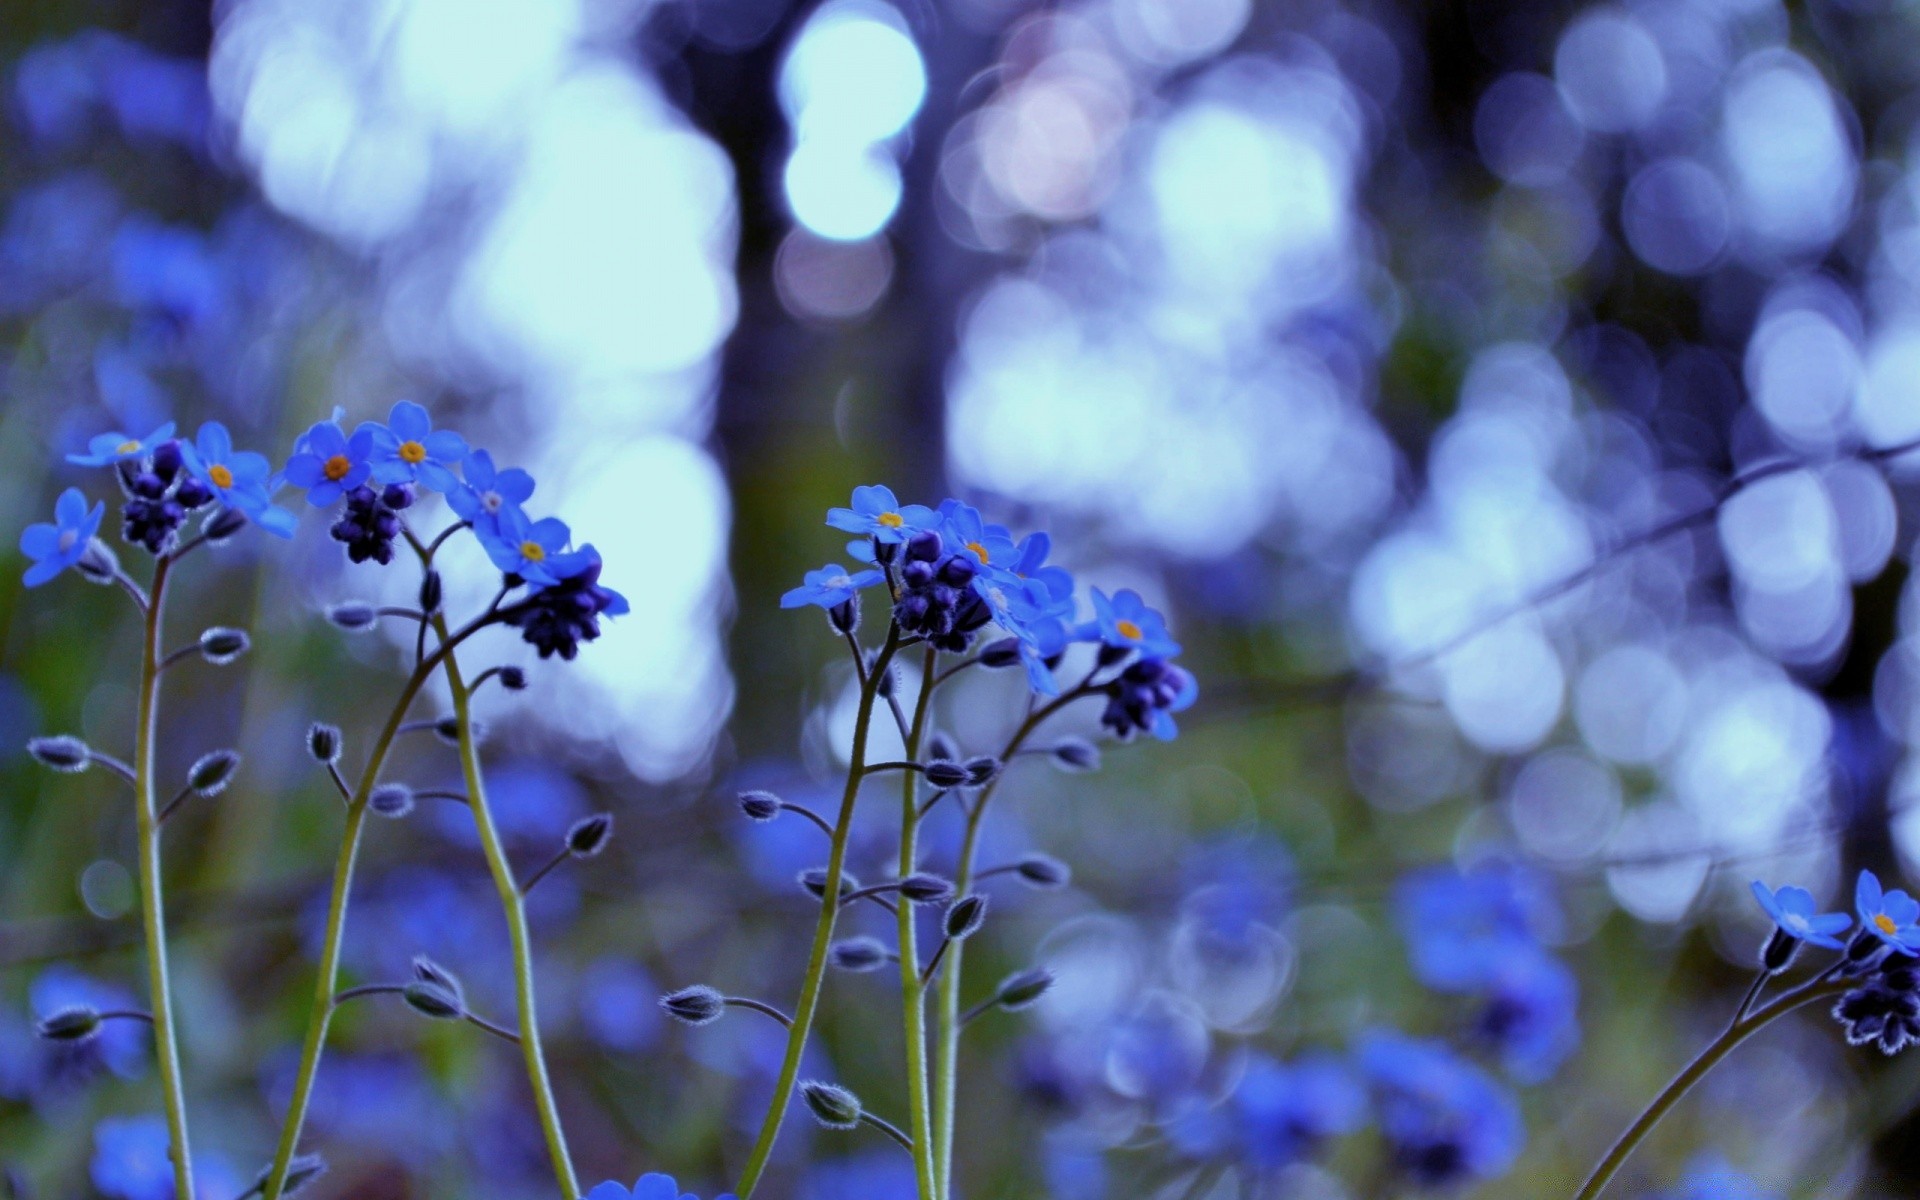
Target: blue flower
408, 449
488, 493
1283, 1112
1462, 927
238, 477
521, 546
130, 1159
108, 448
1531, 1015
1126, 623
830, 587
1795, 914
54, 548
654, 1186
879, 515
1889, 916
1445, 1121
967, 532
1030, 562
329, 464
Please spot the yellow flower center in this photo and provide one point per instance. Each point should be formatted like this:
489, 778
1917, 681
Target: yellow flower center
220, 475
891, 520
126, 447
1129, 630
413, 452
1884, 924
979, 551
336, 468
533, 551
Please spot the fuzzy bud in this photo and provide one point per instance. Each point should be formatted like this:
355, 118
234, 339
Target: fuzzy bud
432, 593
696, 1005
391, 800
1778, 952
1110, 655
981, 769
513, 678
831, 1105
447, 729
759, 806
62, 752
1022, 988
858, 954
212, 772
220, 645
432, 1000
220, 527
884, 685
74, 1023
922, 888
845, 616
945, 773
814, 880
1003, 653
1075, 754
425, 970
354, 616
964, 919
98, 563
940, 744
323, 742
589, 835
1044, 871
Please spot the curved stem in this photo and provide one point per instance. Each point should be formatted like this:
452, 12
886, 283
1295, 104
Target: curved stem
513, 903
891, 1130
822, 934
912, 985
152, 907
759, 1006
1694, 1071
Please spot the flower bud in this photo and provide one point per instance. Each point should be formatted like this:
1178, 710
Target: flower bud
981, 769
1075, 754
432, 592
1110, 655
323, 742
883, 686
74, 1023
220, 645
1044, 871
1779, 951
98, 563
432, 1000
858, 954
1022, 988
302, 1170
210, 774
759, 806
513, 678
964, 919
924, 546
696, 1005
391, 800
923, 888
831, 1105
62, 752
425, 970
941, 745
845, 616
945, 773
447, 729
589, 835
221, 525
814, 879
354, 616
1003, 653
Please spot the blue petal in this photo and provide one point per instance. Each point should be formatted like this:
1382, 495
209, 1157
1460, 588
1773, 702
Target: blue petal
43, 571
214, 442
409, 422
655, 1186
609, 1191
71, 508
39, 540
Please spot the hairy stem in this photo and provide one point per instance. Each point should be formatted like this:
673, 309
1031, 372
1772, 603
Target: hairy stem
912, 986
152, 907
810, 984
1694, 1071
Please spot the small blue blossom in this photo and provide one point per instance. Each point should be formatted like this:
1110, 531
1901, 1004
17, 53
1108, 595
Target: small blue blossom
1126, 623
653, 1186
238, 477
521, 546
409, 449
105, 449
1893, 917
130, 1158
1446, 1122
879, 515
1460, 927
830, 587
329, 464
967, 532
1795, 914
53, 548
1531, 1015
488, 494
1030, 562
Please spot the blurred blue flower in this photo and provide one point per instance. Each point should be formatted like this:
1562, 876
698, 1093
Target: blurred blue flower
1890, 916
328, 463
1711, 1177
409, 449
1531, 1015
1235, 887
108, 448
54, 239
488, 494
1460, 927
875, 1175
1075, 1170
238, 477
1126, 623
1794, 912
53, 548
652, 1186
879, 515
1278, 1114
830, 586
167, 272
1445, 1121
131, 1162
519, 545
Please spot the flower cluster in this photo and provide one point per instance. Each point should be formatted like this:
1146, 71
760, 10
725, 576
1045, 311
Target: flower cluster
1445, 1121
371, 477
1883, 1005
952, 574
1478, 934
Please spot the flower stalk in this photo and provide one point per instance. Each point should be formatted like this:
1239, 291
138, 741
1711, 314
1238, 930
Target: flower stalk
912, 985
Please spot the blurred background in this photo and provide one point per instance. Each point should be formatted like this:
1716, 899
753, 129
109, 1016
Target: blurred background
1369, 340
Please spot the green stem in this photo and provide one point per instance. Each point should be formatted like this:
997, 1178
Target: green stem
912, 987
823, 929
947, 1016
152, 908
513, 903
1694, 1071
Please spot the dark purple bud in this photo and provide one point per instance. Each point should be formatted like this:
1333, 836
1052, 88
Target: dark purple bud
74, 1023
432, 1000
211, 773
432, 593
858, 954
354, 616
980, 769
759, 806
323, 742
1044, 871
957, 571
1002, 653
924, 546
220, 645
945, 773
696, 1005
513, 678
964, 919
923, 888
391, 800
916, 574
589, 835
1075, 754
63, 752
397, 495
1022, 988
166, 460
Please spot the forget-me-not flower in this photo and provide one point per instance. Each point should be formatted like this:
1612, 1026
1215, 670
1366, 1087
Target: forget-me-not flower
830, 586
238, 477
652, 1186
521, 546
966, 530
53, 548
1445, 1121
409, 449
488, 492
1126, 623
1893, 917
1795, 914
329, 464
878, 514
106, 449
